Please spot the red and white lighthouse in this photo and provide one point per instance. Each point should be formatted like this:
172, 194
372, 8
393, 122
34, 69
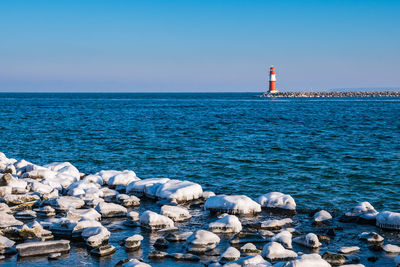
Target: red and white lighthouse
272, 80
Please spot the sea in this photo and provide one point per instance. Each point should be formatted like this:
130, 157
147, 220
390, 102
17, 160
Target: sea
327, 153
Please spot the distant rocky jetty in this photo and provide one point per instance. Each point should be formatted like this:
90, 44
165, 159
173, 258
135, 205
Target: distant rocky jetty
333, 94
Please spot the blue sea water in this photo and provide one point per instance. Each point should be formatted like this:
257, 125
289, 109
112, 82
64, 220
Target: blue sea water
326, 153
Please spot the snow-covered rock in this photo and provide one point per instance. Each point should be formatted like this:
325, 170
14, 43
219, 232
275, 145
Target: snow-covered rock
230, 254
95, 236
208, 194
11, 199
155, 221
133, 242
234, 204
307, 260
277, 200
108, 210
82, 188
7, 220
42, 248
5, 245
176, 213
275, 251
284, 237
85, 214
122, 178
202, 241
179, 190
275, 224
389, 248
135, 263
65, 202
309, 240
150, 186
388, 220
363, 211
227, 224
128, 201
371, 237
322, 216
348, 250
45, 211
65, 168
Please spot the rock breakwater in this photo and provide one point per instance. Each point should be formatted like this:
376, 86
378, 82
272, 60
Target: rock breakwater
333, 94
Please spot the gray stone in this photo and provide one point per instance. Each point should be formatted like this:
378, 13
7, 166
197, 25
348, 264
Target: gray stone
42, 248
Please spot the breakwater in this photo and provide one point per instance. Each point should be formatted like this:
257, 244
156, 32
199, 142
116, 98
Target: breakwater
333, 94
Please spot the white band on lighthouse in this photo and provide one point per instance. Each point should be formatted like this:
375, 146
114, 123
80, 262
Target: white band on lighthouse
272, 78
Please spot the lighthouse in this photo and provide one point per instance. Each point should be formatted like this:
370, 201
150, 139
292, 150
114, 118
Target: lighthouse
272, 81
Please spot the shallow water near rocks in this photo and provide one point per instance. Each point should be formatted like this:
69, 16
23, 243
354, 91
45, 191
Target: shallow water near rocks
326, 153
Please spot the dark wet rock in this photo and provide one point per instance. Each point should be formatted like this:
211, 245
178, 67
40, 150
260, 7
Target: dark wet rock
158, 255
178, 237
243, 237
183, 257
376, 247
373, 259
54, 256
42, 248
161, 243
333, 258
324, 238
102, 251
331, 232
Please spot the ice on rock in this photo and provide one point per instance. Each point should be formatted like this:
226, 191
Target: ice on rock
8, 179
275, 224
95, 236
202, 241
40, 187
371, 237
133, 242
155, 221
65, 168
85, 214
208, 194
135, 263
388, 220
230, 254
389, 248
227, 224
277, 200
133, 216
5, 245
176, 213
284, 237
179, 190
5, 208
363, 210
65, 202
322, 216
348, 250
7, 220
307, 260
81, 188
148, 186
122, 178
128, 201
248, 249
232, 204
12, 199
93, 178
309, 240
250, 261
274, 251
108, 210
42, 248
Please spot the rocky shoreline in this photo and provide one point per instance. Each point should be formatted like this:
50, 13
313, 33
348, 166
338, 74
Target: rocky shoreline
332, 94
51, 212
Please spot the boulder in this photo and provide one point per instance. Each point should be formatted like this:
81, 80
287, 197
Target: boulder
309, 240
322, 216
274, 251
364, 212
202, 241
155, 221
277, 200
108, 210
42, 248
249, 249
230, 254
96, 236
234, 204
133, 242
284, 237
179, 190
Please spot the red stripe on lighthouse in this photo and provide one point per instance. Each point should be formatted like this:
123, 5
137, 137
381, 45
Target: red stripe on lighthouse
272, 80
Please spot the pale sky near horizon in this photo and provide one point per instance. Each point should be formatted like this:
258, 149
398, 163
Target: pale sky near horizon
197, 46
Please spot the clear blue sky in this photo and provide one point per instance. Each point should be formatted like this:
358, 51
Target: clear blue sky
67, 45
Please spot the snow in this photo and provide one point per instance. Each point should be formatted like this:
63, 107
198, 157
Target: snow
227, 224
176, 213
277, 200
179, 190
363, 210
65, 168
110, 210
388, 220
389, 248
133, 242
135, 263
284, 237
83, 224
93, 178
154, 220
275, 224
128, 201
230, 254
83, 188
133, 216
252, 261
201, 241
208, 194
122, 178
40, 187
248, 248
139, 187
371, 237
5, 242
348, 250
322, 216
233, 204
95, 236
307, 260
65, 202
275, 251
309, 240
85, 214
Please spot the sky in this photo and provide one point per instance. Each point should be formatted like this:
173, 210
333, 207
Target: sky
197, 46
